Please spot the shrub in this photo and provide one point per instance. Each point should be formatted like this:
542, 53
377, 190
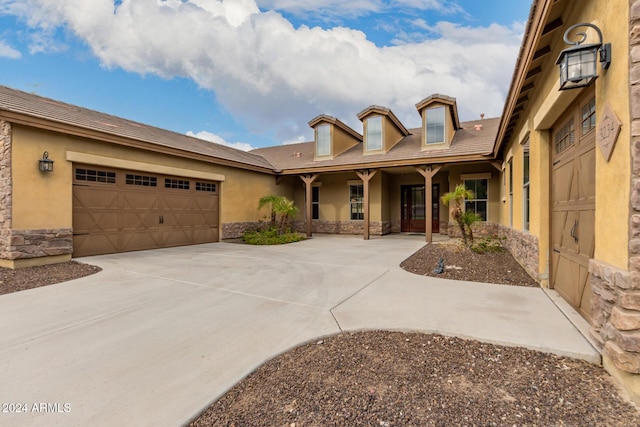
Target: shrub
488, 244
270, 236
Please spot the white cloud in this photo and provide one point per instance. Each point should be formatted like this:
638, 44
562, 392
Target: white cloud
273, 77
7, 51
296, 140
212, 137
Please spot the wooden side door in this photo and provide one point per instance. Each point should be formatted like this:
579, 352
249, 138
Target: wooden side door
573, 203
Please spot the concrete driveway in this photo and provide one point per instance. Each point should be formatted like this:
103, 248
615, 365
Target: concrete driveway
158, 335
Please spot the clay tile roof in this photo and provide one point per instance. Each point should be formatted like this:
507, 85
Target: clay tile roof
467, 142
55, 112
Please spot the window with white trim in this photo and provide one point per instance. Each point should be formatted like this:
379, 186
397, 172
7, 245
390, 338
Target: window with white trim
434, 123
479, 203
323, 140
356, 198
373, 139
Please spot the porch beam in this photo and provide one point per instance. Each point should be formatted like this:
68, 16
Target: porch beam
365, 176
308, 180
428, 173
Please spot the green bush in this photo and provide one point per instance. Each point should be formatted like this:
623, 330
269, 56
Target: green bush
488, 244
270, 236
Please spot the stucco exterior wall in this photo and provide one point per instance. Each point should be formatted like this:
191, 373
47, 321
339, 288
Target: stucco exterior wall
43, 201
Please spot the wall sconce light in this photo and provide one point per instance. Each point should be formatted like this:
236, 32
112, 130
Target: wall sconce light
578, 64
46, 165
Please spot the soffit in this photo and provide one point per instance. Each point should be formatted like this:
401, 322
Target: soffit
534, 61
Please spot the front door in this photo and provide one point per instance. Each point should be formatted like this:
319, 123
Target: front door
413, 209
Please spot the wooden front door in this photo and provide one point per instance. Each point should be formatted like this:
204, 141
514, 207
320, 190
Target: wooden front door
413, 209
573, 204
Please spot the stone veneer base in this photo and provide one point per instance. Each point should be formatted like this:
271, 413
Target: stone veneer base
27, 244
523, 246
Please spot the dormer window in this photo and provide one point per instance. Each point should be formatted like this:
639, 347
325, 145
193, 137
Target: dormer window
323, 140
373, 137
435, 122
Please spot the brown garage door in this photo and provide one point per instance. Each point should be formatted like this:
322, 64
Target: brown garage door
573, 204
118, 211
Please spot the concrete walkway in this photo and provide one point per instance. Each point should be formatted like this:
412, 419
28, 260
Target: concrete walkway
158, 335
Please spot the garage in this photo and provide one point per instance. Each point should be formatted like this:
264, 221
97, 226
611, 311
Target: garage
117, 210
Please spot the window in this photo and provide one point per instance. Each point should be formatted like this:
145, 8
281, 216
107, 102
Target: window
95, 176
511, 192
206, 186
565, 137
589, 116
435, 125
182, 184
142, 180
480, 191
374, 133
323, 140
315, 202
356, 195
525, 189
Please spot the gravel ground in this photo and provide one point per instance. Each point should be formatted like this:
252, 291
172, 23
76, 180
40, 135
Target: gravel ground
34, 277
410, 379
464, 264
406, 379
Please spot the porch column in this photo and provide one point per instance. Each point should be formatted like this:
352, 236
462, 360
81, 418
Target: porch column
366, 176
428, 172
308, 180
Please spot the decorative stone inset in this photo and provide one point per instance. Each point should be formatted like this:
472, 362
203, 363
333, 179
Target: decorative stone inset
608, 131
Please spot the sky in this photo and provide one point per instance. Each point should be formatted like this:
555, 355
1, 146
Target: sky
253, 73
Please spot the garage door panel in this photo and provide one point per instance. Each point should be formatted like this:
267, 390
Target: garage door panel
134, 211
94, 198
139, 200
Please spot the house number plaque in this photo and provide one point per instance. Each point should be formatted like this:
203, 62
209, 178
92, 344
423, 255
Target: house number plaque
608, 132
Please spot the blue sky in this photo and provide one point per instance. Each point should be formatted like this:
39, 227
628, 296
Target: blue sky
252, 73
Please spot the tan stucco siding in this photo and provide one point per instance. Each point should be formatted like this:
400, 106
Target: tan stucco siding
334, 196
391, 134
547, 104
45, 200
341, 141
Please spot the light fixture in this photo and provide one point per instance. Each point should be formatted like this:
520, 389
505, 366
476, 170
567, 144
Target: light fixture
46, 165
578, 64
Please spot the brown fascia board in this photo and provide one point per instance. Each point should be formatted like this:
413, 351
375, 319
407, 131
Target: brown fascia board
98, 136
384, 111
444, 99
389, 164
534, 29
325, 118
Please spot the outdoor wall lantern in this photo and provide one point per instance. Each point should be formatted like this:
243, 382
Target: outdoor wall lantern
578, 64
46, 165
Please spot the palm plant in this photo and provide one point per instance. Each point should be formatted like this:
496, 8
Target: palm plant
286, 209
454, 200
272, 201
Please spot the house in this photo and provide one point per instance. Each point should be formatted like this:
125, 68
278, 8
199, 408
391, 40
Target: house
119, 186
377, 181
568, 142
558, 174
